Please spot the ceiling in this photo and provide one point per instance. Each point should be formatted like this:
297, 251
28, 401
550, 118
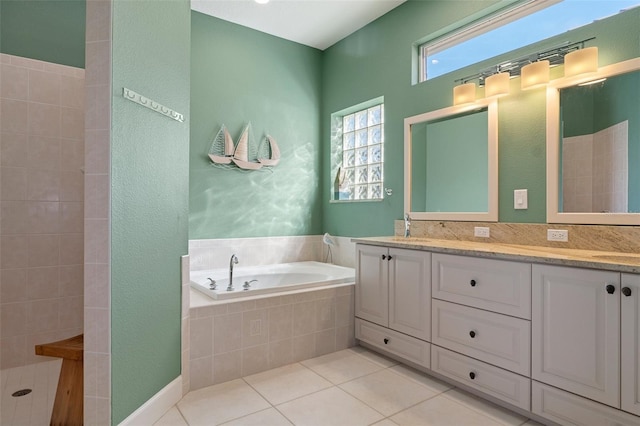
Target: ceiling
315, 23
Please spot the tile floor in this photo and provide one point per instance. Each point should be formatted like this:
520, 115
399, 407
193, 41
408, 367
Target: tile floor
350, 387
35, 408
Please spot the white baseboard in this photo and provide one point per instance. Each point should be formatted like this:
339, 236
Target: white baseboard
152, 410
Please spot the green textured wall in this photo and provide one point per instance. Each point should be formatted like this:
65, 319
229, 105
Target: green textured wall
240, 75
47, 30
149, 205
377, 61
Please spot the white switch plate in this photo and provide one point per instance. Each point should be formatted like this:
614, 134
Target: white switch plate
520, 201
481, 231
557, 235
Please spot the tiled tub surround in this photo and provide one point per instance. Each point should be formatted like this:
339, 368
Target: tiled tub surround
229, 340
622, 239
42, 206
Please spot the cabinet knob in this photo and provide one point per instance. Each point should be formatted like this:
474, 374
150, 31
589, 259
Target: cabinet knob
472, 375
472, 334
386, 341
626, 291
611, 288
473, 283
384, 256
389, 257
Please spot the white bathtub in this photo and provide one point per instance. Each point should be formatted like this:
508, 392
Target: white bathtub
270, 278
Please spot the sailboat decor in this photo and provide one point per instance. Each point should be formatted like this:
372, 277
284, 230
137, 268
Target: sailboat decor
222, 147
269, 154
245, 155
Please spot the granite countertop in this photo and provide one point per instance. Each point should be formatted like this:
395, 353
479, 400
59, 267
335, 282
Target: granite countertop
606, 260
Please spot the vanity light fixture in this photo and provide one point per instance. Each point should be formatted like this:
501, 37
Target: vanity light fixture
262, 1
464, 93
496, 85
583, 61
534, 75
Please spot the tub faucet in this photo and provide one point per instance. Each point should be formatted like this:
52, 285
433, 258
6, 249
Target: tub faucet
407, 225
232, 261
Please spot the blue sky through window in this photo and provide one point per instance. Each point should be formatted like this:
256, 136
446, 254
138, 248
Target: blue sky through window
548, 22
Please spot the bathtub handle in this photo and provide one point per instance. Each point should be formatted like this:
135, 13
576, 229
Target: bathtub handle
212, 284
247, 284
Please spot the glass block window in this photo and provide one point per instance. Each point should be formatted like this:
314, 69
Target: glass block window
358, 154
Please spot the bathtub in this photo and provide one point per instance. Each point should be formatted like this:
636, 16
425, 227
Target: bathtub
252, 281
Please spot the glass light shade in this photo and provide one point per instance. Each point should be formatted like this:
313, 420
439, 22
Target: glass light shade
496, 85
534, 75
581, 61
464, 93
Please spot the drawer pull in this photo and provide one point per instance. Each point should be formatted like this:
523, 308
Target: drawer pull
384, 256
473, 283
386, 341
389, 257
472, 375
472, 334
610, 289
626, 291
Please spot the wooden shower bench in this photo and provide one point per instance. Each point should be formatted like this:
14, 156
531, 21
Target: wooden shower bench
67, 408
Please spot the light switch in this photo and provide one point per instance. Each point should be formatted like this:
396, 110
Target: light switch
520, 199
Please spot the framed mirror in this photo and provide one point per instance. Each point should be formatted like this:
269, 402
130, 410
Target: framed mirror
593, 147
451, 163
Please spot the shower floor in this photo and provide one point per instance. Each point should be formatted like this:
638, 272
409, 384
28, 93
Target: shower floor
34, 408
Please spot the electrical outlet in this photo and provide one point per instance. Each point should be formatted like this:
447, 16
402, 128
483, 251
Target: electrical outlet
481, 231
557, 235
255, 327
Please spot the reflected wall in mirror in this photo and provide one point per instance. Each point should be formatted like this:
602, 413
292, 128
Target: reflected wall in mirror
451, 163
593, 148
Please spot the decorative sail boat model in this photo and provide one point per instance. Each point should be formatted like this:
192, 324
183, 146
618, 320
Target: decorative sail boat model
222, 148
241, 153
270, 156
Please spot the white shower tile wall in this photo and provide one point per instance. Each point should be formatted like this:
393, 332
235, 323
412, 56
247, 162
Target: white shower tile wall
215, 253
237, 339
41, 204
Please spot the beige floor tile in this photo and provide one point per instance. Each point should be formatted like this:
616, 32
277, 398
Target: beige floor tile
387, 392
385, 422
374, 357
171, 418
269, 417
286, 383
424, 379
441, 411
486, 408
220, 403
331, 406
342, 366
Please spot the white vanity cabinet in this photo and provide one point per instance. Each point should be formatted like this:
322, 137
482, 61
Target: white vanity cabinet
393, 300
576, 331
630, 306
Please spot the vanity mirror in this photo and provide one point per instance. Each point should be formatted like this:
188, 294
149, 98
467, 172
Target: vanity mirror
451, 163
593, 147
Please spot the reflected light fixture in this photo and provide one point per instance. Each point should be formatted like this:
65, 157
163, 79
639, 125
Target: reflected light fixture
496, 85
464, 93
582, 61
262, 1
534, 75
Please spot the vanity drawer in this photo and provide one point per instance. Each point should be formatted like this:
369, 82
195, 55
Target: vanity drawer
499, 383
409, 348
568, 409
495, 285
494, 338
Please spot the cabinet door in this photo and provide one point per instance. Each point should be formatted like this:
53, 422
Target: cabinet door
410, 292
576, 331
631, 343
372, 284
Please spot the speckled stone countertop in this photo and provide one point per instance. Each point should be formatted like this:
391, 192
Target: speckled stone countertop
611, 261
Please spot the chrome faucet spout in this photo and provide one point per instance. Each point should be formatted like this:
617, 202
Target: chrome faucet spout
232, 261
407, 225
